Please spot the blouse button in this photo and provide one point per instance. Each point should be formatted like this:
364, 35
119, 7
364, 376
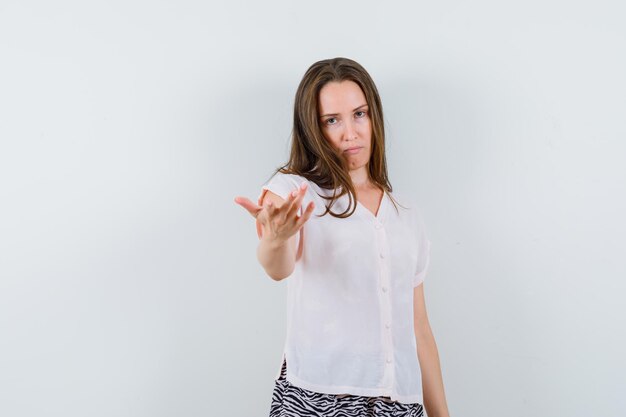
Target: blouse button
387, 325
388, 360
384, 289
382, 255
378, 225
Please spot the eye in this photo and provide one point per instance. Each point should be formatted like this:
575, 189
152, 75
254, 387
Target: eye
328, 120
362, 111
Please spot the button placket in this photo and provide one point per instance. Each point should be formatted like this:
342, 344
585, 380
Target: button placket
384, 284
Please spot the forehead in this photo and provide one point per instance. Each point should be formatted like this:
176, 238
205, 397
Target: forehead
336, 97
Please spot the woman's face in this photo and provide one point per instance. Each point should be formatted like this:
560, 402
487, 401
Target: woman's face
345, 120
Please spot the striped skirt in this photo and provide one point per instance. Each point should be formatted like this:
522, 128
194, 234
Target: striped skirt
291, 401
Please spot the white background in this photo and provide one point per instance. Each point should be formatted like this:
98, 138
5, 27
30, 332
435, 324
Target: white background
129, 284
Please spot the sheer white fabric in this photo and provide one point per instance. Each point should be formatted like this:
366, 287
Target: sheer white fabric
350, 297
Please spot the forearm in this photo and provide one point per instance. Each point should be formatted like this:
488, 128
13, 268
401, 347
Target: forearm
432, 380
276, 257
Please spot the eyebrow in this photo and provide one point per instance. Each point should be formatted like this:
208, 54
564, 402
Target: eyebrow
336, 114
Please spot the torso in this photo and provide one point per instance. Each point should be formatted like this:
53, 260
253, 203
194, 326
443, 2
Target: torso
350, 298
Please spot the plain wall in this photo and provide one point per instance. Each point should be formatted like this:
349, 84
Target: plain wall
129, 284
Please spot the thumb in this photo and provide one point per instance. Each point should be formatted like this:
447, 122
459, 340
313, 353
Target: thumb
247, 204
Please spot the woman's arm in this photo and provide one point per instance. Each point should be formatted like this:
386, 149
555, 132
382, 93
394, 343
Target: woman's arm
278, 257
428, 356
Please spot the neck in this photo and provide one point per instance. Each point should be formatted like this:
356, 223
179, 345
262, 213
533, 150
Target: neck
360, 177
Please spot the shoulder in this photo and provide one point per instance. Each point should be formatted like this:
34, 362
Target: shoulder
281, 184
294, 178
282, 178
407, 201
409, 205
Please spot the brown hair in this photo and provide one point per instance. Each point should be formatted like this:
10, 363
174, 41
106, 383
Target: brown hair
312, 156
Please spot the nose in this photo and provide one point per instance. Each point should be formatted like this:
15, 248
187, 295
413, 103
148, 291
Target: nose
349, 133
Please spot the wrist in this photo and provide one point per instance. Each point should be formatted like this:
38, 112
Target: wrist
274, 243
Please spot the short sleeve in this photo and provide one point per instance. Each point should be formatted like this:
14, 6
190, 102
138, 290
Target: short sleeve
281, 184
423, 249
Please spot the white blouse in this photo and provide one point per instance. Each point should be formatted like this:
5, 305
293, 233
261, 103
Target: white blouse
350, 297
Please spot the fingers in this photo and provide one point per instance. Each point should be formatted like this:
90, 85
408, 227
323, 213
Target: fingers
251, 207
306, 214
287, 210
296, 200
246, 203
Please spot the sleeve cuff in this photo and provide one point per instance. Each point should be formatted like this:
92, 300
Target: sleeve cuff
419, 277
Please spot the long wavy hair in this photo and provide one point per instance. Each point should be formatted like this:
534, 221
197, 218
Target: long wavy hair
312, 156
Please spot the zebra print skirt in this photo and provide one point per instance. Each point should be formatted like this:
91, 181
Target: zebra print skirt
291, 401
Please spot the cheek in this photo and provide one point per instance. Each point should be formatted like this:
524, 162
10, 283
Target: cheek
366, 130
366, 126
333, 139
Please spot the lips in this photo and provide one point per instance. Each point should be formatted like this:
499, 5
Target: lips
354, 149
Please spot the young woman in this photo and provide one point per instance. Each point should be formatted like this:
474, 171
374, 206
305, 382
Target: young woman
354, 255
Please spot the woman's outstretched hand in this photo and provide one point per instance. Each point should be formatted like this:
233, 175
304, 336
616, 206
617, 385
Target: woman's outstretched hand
280, 220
